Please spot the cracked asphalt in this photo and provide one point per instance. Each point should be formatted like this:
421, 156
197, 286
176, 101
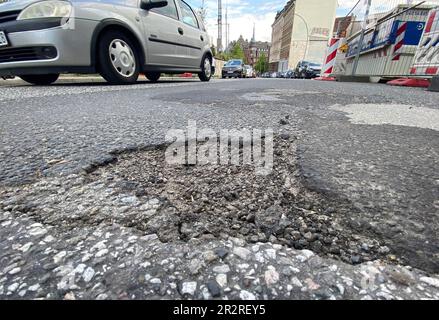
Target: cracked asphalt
368, 152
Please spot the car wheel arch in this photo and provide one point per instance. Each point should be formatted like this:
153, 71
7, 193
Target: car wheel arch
207, 54
112, 24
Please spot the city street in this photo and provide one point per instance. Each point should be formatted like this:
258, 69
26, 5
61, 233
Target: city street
90, 210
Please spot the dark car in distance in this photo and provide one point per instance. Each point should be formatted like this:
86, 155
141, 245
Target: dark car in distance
290, 74
233, 69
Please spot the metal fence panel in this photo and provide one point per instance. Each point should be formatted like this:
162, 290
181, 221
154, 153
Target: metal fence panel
391, 38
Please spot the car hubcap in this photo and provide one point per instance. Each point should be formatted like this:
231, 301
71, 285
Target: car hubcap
122, 58
207, 68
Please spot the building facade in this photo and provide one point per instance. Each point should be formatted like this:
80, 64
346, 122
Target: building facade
301, 31
253, 49
276, 42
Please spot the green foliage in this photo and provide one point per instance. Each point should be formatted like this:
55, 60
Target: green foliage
223, 56
262, 64
235, 53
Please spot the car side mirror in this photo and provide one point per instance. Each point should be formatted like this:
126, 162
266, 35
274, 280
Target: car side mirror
150, 4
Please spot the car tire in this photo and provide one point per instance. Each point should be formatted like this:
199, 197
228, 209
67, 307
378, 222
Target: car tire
206, 69
40, 79
119, 61
153, 76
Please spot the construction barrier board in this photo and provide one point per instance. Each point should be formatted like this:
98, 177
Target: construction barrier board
383, 35
426, 61
330, 56
389, 47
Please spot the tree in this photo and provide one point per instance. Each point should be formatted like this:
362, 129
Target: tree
202, 11
222, 56
237, 52
261, 65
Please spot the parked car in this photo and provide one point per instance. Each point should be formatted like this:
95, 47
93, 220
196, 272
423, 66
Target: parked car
308, 70
233, 69
290, 74
249, 72
120, 39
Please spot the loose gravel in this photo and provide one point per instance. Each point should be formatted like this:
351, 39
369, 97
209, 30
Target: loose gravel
135, 227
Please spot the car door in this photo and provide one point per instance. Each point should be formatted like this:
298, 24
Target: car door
162, 29
193, 39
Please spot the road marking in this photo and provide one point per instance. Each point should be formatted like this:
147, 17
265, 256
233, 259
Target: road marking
391, 114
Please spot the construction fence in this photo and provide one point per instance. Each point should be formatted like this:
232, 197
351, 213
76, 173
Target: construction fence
386, 39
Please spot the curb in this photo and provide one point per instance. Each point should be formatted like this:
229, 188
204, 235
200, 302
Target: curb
360, 79
434, 86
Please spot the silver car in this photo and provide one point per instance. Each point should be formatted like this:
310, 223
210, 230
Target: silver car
117, 38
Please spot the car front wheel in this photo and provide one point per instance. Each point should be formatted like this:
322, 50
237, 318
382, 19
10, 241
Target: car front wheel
119, 62
40, 79
206, 70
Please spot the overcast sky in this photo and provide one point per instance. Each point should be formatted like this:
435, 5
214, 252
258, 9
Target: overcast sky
243, 13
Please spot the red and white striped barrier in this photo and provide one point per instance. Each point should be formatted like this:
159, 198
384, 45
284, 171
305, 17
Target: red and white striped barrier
427, 71
400, 35
330, 59
331, 55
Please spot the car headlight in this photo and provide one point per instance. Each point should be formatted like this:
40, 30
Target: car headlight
46, 9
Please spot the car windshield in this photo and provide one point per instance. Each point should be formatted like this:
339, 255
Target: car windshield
311, 64
233, 63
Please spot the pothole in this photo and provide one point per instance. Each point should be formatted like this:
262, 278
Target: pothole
139, 190
179, 203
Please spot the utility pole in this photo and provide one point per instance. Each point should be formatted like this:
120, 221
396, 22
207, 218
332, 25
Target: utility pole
227, 28
367, 4
220, 27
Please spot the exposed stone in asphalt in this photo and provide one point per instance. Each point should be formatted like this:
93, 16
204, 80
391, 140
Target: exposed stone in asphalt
214, 288
221, 252
189, 288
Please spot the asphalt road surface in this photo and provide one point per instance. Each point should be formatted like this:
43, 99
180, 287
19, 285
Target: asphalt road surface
370, 150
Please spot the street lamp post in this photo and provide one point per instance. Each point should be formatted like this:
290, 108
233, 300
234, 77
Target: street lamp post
307, 34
